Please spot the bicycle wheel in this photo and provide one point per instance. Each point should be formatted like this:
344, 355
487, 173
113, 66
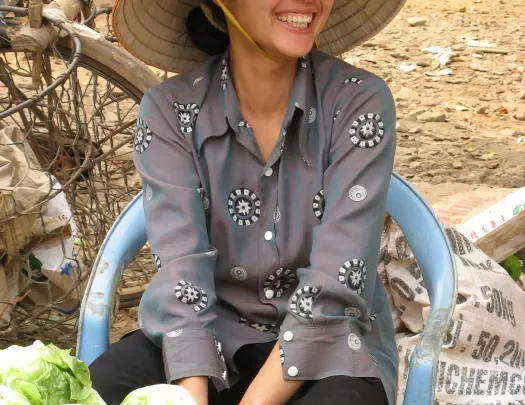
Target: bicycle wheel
136, 78
82, 134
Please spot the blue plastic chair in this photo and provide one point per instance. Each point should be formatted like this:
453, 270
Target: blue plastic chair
424, 234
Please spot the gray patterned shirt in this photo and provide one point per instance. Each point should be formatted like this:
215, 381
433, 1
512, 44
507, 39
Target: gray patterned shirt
252, 251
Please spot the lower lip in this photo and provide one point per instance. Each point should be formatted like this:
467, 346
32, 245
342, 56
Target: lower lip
297, 30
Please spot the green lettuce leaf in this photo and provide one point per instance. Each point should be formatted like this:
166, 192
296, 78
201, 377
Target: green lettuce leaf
513, 265
47, 375
9, 396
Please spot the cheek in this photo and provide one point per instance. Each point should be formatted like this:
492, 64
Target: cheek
322, 22
327, 4
254, 15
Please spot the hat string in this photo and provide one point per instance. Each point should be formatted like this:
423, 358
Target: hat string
237, 25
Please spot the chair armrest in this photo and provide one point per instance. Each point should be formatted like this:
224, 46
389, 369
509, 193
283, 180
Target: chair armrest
432, 250
122, 243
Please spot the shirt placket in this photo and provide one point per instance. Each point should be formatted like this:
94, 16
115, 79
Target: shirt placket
274, 280
268, 253
273, 284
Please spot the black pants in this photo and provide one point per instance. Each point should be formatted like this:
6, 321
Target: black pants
134, 362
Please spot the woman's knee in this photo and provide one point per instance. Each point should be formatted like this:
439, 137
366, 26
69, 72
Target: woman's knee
131, 363
343, 390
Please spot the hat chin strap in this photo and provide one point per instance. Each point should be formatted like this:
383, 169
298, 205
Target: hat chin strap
237, 25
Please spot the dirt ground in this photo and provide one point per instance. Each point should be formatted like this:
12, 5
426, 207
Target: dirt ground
465, 120
461, 121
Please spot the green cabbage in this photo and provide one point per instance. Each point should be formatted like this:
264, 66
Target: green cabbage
9, 396
161, 394
46, 375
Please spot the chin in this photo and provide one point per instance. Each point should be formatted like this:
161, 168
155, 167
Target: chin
295, 50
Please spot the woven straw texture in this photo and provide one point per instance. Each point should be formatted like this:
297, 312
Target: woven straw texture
155, 30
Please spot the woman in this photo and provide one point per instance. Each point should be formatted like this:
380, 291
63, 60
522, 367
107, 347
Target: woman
265, 176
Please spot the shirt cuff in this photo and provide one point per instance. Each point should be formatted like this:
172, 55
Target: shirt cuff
193, 352
315, 353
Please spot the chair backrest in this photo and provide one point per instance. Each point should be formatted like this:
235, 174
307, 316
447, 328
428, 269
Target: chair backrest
435, 258
424, 234
122, 243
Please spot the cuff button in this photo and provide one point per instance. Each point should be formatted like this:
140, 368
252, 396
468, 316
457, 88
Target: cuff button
288, 336
292, 371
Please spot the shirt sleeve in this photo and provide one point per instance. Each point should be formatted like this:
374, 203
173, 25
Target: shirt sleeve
324, 331
177, 309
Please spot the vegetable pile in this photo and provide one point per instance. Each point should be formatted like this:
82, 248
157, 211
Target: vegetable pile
46, 375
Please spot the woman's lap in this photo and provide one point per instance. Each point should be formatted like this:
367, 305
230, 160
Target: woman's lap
135, 362
130, 363
342, 390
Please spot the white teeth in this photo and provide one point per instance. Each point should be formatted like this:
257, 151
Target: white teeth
300, 21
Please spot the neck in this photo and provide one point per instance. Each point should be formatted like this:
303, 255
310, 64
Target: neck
263, 86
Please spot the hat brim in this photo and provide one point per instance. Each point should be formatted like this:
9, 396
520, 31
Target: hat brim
155, 32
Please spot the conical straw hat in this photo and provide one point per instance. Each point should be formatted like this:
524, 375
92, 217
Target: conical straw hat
155, 30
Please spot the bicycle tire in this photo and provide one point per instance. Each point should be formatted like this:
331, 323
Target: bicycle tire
118, 66
115, 63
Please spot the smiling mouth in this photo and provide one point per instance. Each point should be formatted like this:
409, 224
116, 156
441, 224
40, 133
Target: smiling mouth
296, 20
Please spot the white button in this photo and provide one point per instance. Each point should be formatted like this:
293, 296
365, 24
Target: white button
288, 336
269, 294
354, 342
292, 371
268, 172
357, 193
268, 235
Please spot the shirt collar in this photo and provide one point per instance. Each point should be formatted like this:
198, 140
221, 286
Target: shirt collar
212, 116
220, 107
299, 95
301, 99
